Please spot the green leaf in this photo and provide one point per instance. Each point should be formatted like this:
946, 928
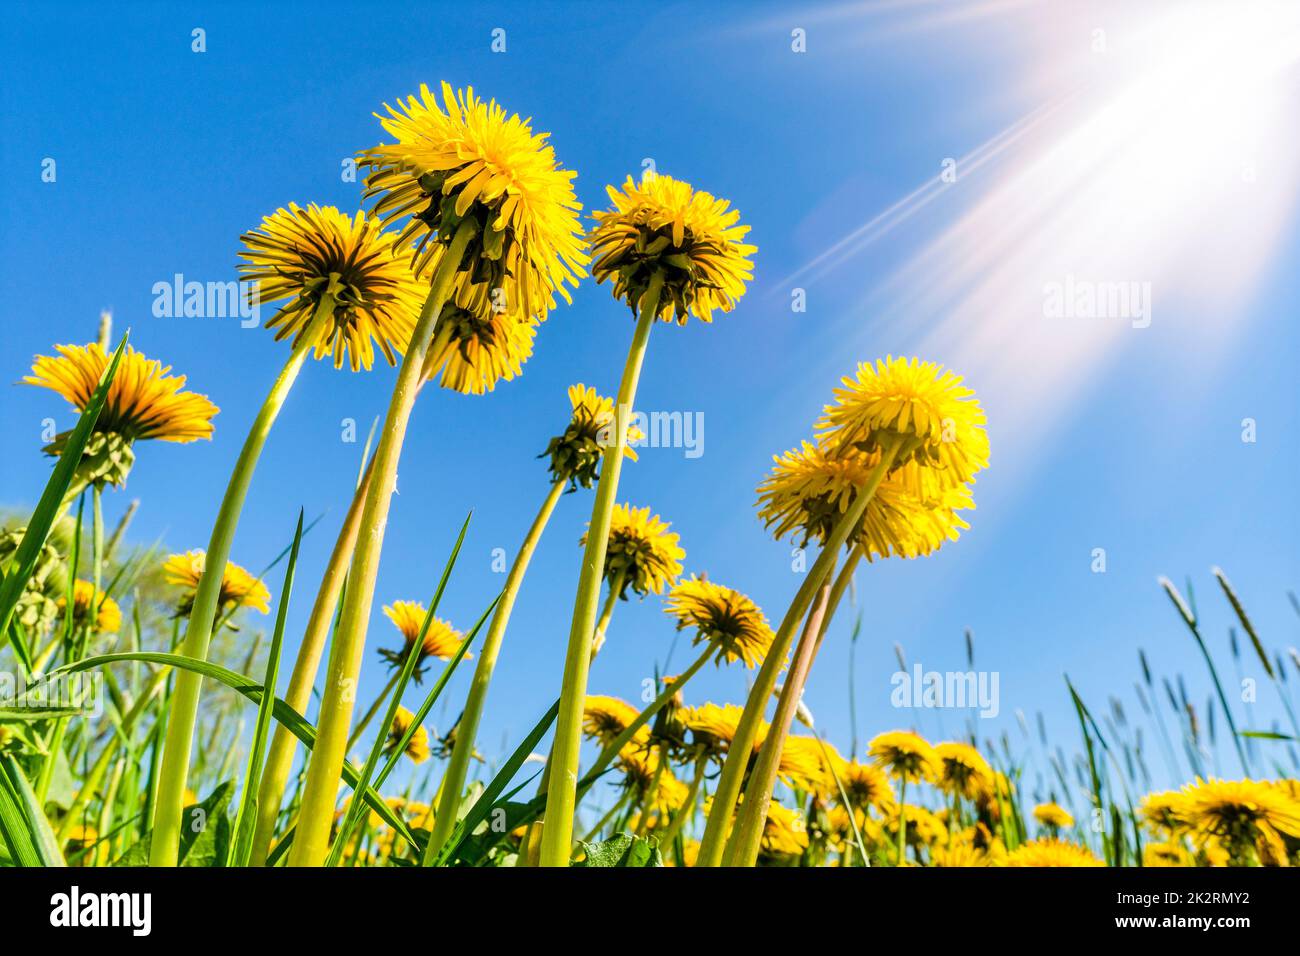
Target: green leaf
25, 832
1264, 735
47, 510
246, 818
205, 834
485, 803
25, 715
622, 850
290, 718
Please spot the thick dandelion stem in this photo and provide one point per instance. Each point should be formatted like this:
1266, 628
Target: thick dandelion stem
557, 834
279, 759
198, 633
716, 829
758, 795
453, 781
311, 842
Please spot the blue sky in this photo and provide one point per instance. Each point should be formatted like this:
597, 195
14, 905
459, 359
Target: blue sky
1104, 435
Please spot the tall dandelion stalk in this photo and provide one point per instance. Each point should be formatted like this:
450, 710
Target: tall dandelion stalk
345, 287
905, 432
494, 217
671, 252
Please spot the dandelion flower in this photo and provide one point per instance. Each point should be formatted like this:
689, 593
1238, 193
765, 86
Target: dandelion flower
1166, 854
1244, 815
724, 616
662, 226
465, 158
1051, 852
576, 454
962, 771
143, 402
644, 770
712, 726
1053, 816
1163, 812
604, 718
784, 832
864, 784
959, 854
238, 587
924, 406
479, 347
905, 755
440, 641
642, 553
417, 748
108, 617
302, 255
910, 515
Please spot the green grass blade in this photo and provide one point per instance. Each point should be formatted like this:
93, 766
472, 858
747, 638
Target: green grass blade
242, 844
487, 799
23, 827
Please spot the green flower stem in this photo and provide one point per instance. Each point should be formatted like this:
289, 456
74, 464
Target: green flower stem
364, 722
198, 633
687, 809
311, 842
714, 841
279, 759
453, 781
557, 834
837, 593
607, 612
902, 821
762, 779
97, 553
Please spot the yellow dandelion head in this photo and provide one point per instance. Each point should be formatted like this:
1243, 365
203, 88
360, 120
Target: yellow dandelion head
238, 587
576, 454
904, 754
1242, 814
1163, 812
604, 718
107, 615
785, 833
642, 553
722, 615
484, 343
910, 515
712, 726
1166, 854
642, 771
962, 771
864, 784
301, 255
441, 640
1051, 852
922, 406
924, 827
663, 227
143, 402
959, 854
417, 748
1053, 816
465, 158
